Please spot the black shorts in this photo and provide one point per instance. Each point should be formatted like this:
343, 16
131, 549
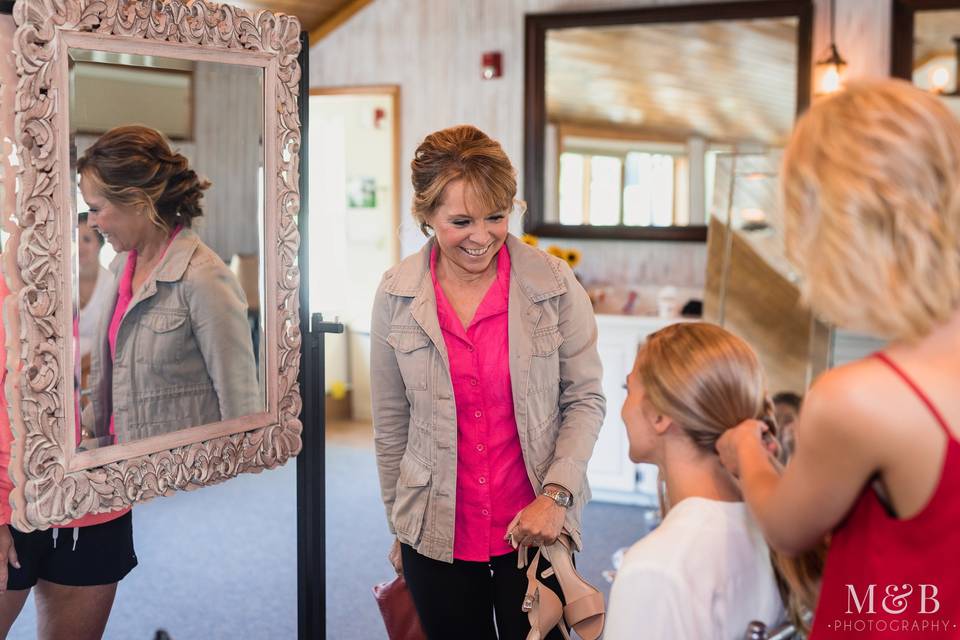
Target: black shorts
103, 554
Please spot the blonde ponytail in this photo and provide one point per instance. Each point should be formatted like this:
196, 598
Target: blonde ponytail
707, 381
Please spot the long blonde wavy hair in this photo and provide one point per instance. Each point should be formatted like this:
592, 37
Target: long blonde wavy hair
707, 380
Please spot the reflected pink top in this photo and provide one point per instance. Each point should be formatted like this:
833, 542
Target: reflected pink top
124, 297
492, 482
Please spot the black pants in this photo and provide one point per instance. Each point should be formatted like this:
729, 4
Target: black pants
471, 600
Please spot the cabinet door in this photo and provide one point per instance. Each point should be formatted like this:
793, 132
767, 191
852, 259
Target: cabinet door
610, 467
611, 473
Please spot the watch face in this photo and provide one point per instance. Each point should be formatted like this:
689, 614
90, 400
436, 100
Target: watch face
562, 498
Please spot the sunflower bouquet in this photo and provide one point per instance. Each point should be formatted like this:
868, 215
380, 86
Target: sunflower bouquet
571, 256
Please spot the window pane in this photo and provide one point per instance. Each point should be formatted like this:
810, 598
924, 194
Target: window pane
681, 192
605, 176
662, 194
571, 188
648, 195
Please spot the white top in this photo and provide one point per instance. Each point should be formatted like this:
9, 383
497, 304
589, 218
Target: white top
97, 308
703, 574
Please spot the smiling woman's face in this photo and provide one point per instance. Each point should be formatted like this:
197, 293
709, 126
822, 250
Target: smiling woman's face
467, 236
120, 226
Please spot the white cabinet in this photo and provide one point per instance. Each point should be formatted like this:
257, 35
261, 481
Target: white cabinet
612, 476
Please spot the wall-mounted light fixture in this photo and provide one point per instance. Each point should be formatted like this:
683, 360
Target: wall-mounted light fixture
941, 73
830, 68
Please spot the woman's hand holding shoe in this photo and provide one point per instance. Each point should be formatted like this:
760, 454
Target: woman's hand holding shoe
540, 523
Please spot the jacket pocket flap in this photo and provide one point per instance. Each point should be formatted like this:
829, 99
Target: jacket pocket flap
413, 473
547, 343
407, 342
162, 322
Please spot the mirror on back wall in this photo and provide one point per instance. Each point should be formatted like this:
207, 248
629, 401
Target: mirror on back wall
629, 111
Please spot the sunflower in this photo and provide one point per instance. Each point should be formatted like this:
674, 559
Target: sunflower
529, 239
338, 390
556, 252
572, 256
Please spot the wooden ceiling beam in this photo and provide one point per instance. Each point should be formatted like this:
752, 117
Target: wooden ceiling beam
342, 15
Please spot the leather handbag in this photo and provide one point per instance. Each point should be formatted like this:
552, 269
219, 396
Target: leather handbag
396, 606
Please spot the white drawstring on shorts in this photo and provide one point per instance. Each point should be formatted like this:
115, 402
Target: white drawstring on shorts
76, 536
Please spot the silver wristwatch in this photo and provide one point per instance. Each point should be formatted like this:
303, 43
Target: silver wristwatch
560, 496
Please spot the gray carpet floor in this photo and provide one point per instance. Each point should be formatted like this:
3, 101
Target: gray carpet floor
220, 563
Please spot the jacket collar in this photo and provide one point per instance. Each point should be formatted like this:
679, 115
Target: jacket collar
174, 262
533, 270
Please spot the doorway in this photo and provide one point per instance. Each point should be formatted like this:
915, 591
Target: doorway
354, 219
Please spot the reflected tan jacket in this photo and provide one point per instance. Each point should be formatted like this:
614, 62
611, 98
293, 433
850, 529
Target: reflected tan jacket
184, 353
555, 375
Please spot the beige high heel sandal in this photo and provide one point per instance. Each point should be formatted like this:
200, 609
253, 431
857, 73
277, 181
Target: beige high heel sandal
543, 606
584, 611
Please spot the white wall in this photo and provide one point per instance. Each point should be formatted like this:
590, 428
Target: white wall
432, 49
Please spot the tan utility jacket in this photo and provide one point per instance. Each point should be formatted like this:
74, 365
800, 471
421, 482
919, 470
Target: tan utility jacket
555, 374
184, 349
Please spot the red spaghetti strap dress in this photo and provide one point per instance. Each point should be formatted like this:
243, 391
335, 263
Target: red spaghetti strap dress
896, 579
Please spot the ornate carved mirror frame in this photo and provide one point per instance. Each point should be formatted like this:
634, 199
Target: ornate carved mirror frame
53, 483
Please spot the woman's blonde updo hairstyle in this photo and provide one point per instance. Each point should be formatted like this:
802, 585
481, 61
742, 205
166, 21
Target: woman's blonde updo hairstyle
134, 166
871, 194
461, 153
707, 380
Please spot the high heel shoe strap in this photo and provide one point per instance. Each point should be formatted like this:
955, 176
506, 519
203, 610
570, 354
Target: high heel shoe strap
586, 607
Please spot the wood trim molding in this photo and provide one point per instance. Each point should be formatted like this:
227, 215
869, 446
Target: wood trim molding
337, 19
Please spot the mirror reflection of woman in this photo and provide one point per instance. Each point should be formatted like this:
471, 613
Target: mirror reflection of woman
176, 349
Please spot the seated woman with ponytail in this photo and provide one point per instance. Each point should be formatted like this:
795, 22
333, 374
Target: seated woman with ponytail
706, 571
175, 349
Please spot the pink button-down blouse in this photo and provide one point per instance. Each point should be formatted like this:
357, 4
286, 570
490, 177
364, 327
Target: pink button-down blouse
492, 482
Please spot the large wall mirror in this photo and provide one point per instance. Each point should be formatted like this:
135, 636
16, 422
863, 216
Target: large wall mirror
628, 112
195, 379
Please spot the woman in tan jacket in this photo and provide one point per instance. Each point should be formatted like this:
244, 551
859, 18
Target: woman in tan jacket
486, 394
175, 350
